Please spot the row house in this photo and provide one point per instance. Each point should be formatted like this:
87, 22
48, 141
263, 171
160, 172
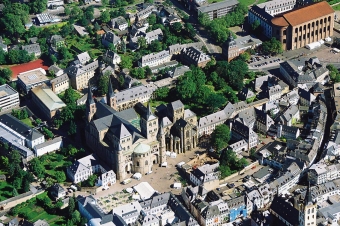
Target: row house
155, 59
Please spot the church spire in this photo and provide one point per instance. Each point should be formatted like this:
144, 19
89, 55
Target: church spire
110, 93
89, 95
149, 111
308, 197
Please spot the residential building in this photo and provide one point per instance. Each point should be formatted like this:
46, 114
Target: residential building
284, 211
320, 173
48, 102
57, 41
287, 132
30, 79
273, 154
245, 94
32, 49
237, 208
145, 13
176, 72
12, 129
60, 84
110, 38
48, 146
205, 173
303, 72
128, 98
262, 176
153, 35
55, 70
303, 26
194, 56
330, 214
219, 9
306, 97
9, 98
241, 131
263, 121
83, 58
52, 4
111, 58
119, 22
81, 169
154, 59
81, 74
177, 48
256, 199
57, 191
81, 31
232, 48
288, 116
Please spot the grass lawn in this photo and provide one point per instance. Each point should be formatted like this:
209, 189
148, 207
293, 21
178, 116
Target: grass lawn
35, 213
337, 7
27, 121
247, 2
52, 164
5, 190
83, 44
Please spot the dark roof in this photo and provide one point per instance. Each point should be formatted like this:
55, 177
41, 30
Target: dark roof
20, 127
285, 210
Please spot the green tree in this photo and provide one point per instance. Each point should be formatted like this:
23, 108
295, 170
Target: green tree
190, 30
89, 13
70, 97
220, 137
48, 133
162, 93
76, 217
152, 19
215, 101
6, 73
15, 192
37, 168
272, 47
91, 180
96, 27
72, 129
66, 30
203, 19
58, 204
103, 84
126, 62
71, 206
4, 162
244, 57
155, 46
38, 6
105, 17
105, 2
141, 41
60, 176
177, 27
67, 11
13, 24
3, 56
138, 73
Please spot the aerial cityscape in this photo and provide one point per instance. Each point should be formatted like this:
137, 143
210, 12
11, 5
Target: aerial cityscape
169, 112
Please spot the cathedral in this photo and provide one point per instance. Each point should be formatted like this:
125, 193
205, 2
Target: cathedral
137, 139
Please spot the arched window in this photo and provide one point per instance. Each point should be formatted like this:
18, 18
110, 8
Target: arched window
317, 23
304, 27
146, 162
137, 163
329, 18
309, 211
313, 24
296, 30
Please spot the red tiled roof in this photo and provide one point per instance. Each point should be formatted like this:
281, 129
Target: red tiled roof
27, 67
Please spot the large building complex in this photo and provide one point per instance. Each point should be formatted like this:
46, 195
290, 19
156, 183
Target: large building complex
30, 79
129, 143
295, 23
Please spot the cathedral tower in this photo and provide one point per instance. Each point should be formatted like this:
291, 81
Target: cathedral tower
110, 96
307, 211
162, 145
90, 105
149, 124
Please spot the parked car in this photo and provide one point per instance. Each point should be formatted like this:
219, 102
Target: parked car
231, 185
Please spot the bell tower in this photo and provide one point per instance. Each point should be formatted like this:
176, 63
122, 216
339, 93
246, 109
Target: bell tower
162, 145
90, 105
307, 211
110, 96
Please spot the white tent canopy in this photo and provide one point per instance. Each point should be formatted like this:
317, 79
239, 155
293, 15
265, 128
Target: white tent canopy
313, 45
145, 190
129, 190
177, 185
164, 164
173, 155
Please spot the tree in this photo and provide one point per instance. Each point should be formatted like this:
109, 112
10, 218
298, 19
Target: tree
60, 176
73, 129
214, 101
190, 30
273, 46
58, 204
177, 27
203, 19
17, 183
15, 192
3, 56
141, 41
96, 27
67, 11
105, 2
148, 71
220, 137
4, 162
33, 31
126, 62
91, 180
13, 24
89, 13
138, 73
6, 73
48, 133
66, 30
38, 6
244, 57
155, 46
70, 97
152, 19
75, 217
71, 206
105, 17
37, 168
162, 93
103, 84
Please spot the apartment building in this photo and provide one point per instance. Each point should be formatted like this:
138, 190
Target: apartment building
219, 9
81, 74
120, 23
60, 84
154, 59
9, 98
320, 173
194, 56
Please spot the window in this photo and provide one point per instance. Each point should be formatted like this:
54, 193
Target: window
308, 26
295, 40
284, 32
300, 29
284, 40
317, 23
304, 27
137, 163
296, 30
